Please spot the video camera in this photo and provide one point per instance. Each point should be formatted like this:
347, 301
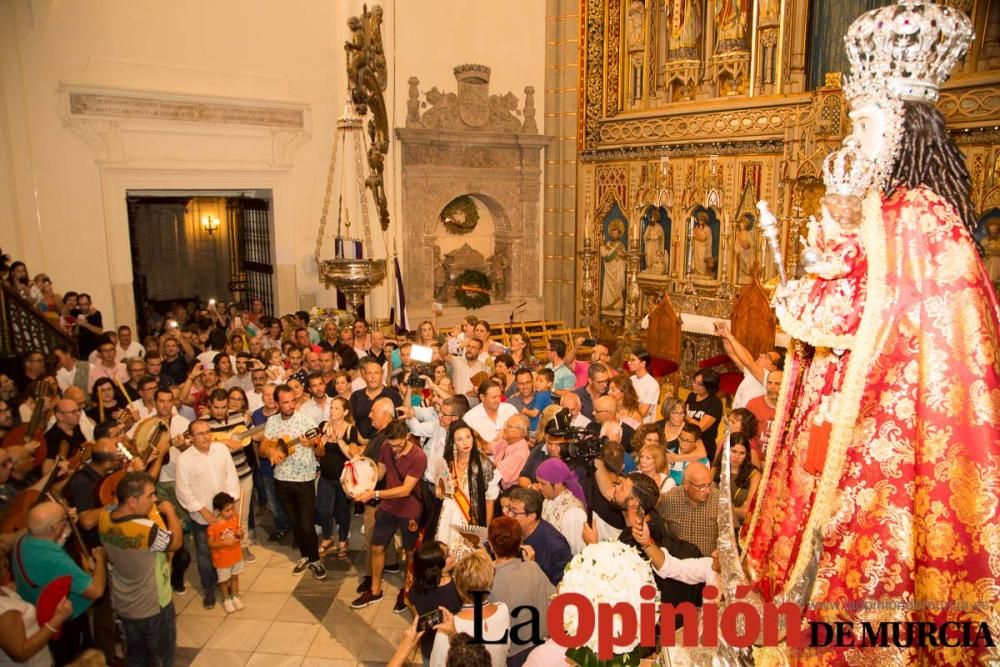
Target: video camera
420, 356
583, 447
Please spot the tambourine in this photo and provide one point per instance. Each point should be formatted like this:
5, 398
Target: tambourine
360, 475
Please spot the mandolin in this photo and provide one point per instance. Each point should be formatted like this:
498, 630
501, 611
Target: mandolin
109, 485
150, 432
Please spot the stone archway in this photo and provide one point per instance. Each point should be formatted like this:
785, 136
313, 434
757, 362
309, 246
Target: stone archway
471, 144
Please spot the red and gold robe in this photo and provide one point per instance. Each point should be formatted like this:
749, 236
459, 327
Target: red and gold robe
907, 500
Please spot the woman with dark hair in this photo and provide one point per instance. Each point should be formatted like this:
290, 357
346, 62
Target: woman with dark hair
106, 401
704, 408
521, 352
469, 487
17, 278
223, 367
889, 398
744, 477
432, 587
341, 443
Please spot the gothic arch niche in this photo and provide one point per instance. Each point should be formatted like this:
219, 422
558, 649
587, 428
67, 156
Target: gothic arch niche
472, 232
484, 151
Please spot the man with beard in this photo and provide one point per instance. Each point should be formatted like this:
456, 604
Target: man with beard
463, 367
635, 495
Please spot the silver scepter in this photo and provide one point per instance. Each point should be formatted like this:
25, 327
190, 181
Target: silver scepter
769, 226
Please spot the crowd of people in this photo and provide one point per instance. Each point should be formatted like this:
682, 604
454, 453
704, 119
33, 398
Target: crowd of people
223, 416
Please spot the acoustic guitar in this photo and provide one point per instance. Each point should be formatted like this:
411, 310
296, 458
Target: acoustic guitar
239, 433
288, 447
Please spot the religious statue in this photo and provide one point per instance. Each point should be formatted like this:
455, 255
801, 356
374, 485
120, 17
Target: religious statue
702, 259
613, 256
441, 276
991, 246
499, 270
732, 17
636, 47
887, 432
654, 246
744, 249
684, 29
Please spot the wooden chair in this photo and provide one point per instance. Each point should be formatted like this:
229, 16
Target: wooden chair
663, 342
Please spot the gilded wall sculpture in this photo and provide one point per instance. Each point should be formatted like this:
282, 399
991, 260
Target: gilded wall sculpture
693, 110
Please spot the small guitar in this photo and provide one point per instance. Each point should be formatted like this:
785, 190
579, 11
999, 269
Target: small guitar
288, 447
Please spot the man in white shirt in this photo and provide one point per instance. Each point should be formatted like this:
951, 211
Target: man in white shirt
204, 470
106, 365
144, 406
70, 370
754, 370
126, 347
432, 428
242, 378
563, 506
491, 414
317, 408
463, 366
255, 397
571, 401
645, 385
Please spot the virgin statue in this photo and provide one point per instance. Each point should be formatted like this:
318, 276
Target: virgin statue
886, 441
744, 249
613, 256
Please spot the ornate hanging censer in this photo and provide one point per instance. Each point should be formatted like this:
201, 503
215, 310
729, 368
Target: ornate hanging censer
353, 270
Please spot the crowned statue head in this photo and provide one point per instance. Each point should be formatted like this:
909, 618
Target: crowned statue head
900, 56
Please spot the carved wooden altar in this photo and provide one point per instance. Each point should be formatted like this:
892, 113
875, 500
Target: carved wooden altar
698, 109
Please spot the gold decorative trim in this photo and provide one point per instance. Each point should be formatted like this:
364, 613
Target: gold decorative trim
162, 108
769, 122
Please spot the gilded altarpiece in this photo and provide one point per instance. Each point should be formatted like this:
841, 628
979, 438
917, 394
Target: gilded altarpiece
700, 108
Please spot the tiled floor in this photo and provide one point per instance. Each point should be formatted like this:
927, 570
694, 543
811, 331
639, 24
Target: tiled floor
290, 621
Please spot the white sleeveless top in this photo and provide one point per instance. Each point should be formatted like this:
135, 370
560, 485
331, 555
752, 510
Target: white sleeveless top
11, 601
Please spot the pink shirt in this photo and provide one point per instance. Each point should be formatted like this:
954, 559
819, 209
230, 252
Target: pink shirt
580, 369
509, 459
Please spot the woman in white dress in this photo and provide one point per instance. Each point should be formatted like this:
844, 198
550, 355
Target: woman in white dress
468, 486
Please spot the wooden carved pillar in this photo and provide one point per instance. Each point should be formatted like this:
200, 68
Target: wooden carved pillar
633, 295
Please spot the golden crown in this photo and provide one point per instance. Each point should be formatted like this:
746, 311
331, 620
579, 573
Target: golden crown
906, 50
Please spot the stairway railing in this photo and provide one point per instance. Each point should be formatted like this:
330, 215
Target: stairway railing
23, 328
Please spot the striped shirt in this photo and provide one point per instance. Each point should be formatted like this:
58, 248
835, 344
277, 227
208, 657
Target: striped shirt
223, 429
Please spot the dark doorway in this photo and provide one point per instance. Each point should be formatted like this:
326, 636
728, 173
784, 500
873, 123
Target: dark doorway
189, 247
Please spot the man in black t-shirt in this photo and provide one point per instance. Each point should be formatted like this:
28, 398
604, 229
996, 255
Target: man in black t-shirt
66, 428
363, 399
704, 408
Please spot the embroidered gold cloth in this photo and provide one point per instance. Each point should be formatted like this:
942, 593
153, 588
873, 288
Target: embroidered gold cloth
908, 496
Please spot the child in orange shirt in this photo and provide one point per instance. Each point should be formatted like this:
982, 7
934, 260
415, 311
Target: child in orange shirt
224, 540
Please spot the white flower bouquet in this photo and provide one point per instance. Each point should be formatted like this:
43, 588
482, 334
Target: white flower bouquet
606, 573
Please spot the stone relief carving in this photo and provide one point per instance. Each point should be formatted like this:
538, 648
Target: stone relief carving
472, 107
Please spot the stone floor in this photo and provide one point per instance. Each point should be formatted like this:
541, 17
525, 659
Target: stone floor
291, 621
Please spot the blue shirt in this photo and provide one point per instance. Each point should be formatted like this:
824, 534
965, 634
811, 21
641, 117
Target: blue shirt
565, 378
42, 561
552, 552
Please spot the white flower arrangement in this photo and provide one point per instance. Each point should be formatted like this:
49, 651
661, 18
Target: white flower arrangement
606, 573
